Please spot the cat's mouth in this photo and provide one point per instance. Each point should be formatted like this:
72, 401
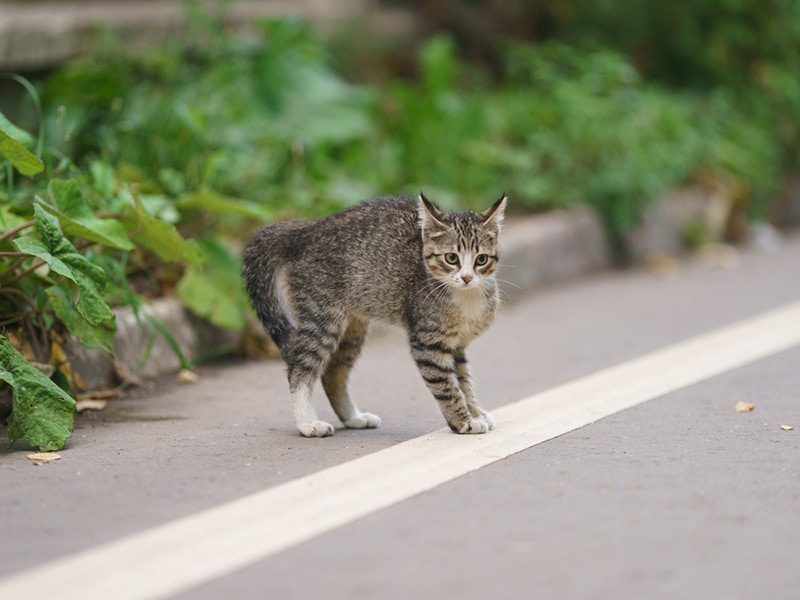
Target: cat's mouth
466, 282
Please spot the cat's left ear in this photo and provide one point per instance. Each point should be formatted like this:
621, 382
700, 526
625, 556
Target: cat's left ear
496, 212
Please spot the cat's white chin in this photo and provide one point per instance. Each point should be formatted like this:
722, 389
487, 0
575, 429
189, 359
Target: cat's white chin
460, 286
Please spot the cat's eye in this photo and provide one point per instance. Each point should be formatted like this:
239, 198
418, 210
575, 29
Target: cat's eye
481, 260
451, 258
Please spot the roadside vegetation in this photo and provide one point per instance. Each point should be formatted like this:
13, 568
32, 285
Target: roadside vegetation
141, 175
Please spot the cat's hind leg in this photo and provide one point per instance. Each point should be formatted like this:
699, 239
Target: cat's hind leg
337, 372
305, 416
307, 352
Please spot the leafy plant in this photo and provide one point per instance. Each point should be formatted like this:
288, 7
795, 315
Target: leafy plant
64, 247
42, 411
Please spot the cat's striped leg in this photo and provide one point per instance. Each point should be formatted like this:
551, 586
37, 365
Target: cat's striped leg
334, 380
436, 364
465, 383
307, 352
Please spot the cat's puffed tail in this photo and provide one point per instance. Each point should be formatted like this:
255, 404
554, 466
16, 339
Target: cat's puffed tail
264, 258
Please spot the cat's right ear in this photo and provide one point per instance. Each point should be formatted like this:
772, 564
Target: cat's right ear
429, 215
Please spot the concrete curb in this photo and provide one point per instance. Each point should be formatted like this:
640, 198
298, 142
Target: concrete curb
39, 35
537, 250
551, 248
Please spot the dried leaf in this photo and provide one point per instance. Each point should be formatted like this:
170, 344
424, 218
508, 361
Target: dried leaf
100, 395
742, 406
187, 376
787, 427
44, 456
662, 265
82, 405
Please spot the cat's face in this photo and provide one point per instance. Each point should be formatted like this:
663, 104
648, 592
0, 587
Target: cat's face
460, 249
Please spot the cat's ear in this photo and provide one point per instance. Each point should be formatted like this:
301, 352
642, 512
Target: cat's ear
496, 212
429, 214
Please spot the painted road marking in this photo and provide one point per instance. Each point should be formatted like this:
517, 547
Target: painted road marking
185, 553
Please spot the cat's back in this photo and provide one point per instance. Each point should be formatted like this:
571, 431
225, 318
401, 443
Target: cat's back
366, 258
374, 220
373, 224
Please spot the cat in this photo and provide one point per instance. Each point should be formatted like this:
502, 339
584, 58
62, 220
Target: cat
316, 285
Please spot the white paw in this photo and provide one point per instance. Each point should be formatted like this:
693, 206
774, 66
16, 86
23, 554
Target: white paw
363, 420
477, 425
315, 429
485, 416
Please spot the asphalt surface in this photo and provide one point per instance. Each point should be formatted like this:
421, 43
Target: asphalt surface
679, 497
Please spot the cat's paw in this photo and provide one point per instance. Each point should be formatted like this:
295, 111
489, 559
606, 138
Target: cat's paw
363, 420
475, 425
478, 413
485, 416
315, 429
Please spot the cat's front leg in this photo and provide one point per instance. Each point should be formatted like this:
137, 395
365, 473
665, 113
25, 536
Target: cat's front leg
437, 366
467, 388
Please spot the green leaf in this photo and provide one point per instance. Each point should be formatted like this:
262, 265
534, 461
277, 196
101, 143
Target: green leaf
35, 247
207, 298
62, 257
89, 335
77, 218
49, 230
215, 292
161, 238
22, 136
103, 177
42, 412
18, 155
223, 205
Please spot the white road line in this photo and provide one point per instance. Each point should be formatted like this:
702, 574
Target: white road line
185, 553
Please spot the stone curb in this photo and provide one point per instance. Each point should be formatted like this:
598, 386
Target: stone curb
39, 35
537, 250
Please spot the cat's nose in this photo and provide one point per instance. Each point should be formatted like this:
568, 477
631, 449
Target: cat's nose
466, 278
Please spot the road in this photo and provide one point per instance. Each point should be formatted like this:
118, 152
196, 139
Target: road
678, 495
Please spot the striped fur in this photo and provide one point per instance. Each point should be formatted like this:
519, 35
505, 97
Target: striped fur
316, 286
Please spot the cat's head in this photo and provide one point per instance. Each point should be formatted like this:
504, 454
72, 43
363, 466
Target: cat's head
461, 248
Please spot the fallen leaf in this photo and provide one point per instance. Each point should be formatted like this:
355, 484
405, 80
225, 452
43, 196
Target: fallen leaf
662, 265
787, 427
187, 376
742, 406
100, 395
44, 456
82, 405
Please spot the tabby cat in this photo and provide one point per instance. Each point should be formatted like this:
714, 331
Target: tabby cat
316, 285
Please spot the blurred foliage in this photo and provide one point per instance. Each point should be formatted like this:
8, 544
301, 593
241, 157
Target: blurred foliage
225, 129
749, 50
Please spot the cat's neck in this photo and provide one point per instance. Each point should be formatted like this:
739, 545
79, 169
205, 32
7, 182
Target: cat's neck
473, 302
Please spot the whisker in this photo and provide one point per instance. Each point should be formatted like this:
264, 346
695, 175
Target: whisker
438, 287
507, 282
